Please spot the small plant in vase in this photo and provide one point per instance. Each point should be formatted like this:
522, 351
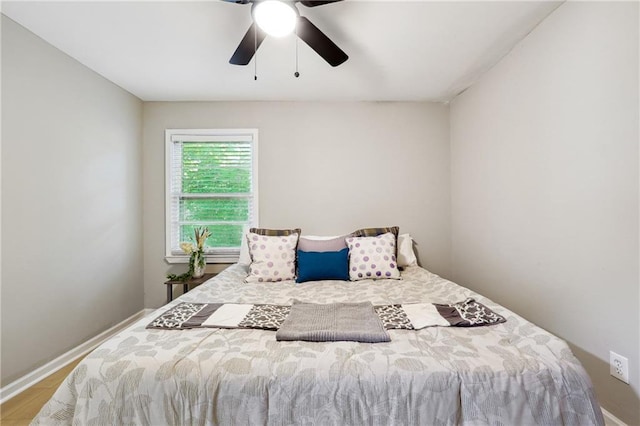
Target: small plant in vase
195, 250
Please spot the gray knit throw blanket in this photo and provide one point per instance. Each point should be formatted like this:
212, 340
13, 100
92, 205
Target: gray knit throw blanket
312, 322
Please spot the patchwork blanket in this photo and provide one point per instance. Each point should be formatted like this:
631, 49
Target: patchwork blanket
412, 316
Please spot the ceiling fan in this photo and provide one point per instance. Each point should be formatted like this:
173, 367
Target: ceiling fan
304, 29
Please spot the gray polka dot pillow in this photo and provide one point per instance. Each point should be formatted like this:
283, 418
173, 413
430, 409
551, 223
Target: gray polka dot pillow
373, 257
273, 258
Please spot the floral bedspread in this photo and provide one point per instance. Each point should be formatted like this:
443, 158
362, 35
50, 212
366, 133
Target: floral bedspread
504, 374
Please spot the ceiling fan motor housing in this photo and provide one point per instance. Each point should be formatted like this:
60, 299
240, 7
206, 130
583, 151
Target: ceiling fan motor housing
305, 29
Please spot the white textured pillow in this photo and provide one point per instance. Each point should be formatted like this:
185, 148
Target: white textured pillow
373, 257
274, 257
245, 257
406, 255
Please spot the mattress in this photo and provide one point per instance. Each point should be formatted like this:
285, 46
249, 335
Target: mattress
509, 373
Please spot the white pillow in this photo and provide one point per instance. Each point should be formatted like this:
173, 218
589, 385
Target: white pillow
373, 257
245, 257
406, 255
274, 257
321, 244
322, 237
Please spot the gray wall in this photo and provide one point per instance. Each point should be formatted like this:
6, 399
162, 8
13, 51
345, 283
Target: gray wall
328, 168
532, 200
71, 203
544, 177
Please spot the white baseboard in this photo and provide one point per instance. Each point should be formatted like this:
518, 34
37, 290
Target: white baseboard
611, 420
14, 388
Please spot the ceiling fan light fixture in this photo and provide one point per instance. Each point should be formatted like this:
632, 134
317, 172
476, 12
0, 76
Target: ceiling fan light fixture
275, 17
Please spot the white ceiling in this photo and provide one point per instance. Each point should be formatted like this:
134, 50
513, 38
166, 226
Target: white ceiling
398, 50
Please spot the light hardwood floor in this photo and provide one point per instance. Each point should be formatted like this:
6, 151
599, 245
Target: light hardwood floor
22, 408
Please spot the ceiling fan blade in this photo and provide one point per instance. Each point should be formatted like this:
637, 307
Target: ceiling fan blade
248, 46
314, 3
319, 42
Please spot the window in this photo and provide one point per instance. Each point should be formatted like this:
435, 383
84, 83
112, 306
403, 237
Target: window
211, 180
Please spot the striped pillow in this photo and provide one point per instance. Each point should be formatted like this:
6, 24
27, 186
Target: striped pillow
374, 232
275, 232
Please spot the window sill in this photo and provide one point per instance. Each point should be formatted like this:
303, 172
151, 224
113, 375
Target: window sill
210, 259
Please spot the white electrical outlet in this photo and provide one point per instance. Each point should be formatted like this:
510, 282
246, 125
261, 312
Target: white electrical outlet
619, 367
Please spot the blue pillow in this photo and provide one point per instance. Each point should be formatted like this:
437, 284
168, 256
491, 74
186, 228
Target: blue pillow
327, 265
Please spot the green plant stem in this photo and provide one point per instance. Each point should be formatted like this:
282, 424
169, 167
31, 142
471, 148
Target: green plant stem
189, 274
184, 277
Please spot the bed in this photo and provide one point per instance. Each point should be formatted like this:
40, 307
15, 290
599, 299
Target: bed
509, 373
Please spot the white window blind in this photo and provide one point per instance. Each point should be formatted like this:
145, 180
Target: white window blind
211, 180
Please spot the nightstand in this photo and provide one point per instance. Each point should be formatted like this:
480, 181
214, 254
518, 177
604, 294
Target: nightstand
185, 284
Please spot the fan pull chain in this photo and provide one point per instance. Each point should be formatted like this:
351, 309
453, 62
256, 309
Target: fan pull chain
297, 74
255, 53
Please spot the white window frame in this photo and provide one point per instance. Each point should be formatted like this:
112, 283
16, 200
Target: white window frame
208, 134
